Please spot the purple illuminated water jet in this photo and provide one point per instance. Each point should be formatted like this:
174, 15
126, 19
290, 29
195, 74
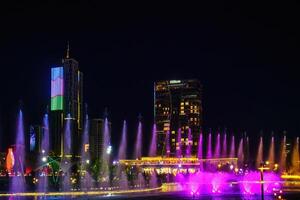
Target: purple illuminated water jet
153, 145
189, 144
123, 144
178, 145
138, 142
67, 136
250, 183
153, 180
241, 153
106, 153
17, 183
217, 146
232, 147
42, 175
123, 183
209, 147
224, 146
65, 161
168, 150
86, 181
259, 158
200, 145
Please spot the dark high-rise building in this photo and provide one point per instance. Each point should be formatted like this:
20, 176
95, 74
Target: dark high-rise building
177, 105
66, 98
96, 146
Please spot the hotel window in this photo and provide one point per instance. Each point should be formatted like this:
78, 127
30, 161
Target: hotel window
173, 132
173, 139
181, 103
187, 103
182, 139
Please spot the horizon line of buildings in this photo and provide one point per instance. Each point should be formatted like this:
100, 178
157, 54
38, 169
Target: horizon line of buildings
177, 105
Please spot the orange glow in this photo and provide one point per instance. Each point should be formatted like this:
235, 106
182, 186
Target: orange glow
10, 160
290, 176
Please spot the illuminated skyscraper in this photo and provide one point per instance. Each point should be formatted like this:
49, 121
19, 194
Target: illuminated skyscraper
66, 98
177, 105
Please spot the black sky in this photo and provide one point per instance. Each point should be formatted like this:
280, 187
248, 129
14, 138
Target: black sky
246, 56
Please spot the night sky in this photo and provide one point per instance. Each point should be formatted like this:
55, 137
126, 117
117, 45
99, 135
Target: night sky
246, 56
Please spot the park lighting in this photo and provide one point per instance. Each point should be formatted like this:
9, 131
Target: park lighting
87, 161
43, 151
267, 162
44, 158
109, 149
231, 167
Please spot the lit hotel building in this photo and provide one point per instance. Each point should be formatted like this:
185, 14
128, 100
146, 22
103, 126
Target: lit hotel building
177, 106
66, 98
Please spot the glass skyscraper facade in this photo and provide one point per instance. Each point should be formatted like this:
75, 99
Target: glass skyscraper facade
177, 108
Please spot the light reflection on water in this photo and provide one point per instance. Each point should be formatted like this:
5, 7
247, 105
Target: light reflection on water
159, 196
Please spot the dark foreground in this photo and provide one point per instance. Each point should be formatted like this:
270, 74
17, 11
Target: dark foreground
166, 196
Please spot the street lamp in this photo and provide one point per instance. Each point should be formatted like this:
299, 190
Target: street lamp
262, 168
44, 159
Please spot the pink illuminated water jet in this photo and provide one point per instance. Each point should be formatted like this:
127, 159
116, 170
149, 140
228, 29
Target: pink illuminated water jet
138, 142
178, 145
232, 147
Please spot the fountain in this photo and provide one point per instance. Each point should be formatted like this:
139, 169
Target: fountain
271, 157
247, 157
153, 180
282, 163
43, 174
224, 146
209, 146
153, 145
138, 142
200, 149
296, 158
140, 180
122, 155
220, 175
217, 146
189, 144
168, 150
17, 183
241, 153
66, 161
106, 154
178, 145
86, 179
259, 158
232, 147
